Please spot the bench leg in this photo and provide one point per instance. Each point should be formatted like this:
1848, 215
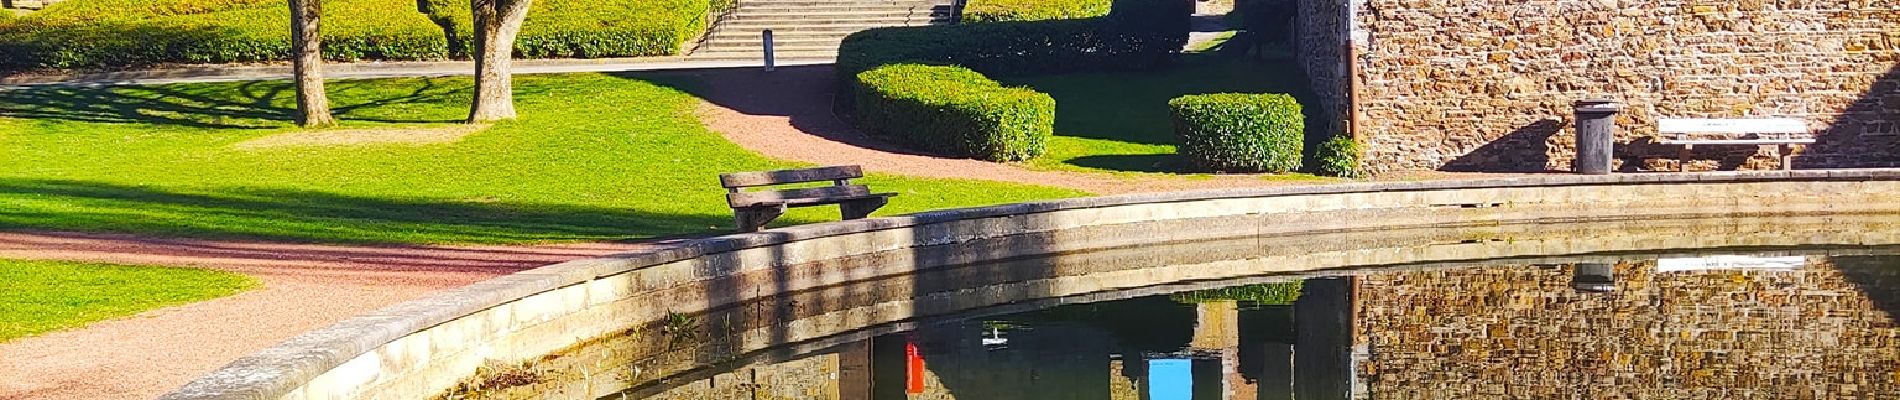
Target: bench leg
861, 208
1682, 157
1787, 158
751, 219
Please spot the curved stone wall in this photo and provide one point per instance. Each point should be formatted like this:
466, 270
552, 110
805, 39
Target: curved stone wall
425, 347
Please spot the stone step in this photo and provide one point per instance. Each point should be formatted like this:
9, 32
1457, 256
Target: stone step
787, 24
752, 31
826, 45
750, 9
757, 56
781, 35
755, 48
841, 16
845, 3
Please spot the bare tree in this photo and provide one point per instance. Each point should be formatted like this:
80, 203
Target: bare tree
306, 53
497, 23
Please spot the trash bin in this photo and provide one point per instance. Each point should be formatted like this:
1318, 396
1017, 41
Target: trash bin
1596, 135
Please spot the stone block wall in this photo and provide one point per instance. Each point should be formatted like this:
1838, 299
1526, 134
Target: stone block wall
1320, 43
1488, 84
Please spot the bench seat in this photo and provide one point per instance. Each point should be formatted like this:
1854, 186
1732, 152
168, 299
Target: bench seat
753, 209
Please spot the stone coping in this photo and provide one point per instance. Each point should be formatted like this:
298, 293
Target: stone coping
278, 371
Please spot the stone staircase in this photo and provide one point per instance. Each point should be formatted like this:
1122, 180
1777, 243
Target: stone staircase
809, 30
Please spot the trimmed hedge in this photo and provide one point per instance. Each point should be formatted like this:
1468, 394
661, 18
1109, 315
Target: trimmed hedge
1240, 132
1032, 10
954, 111
588, 28
119, 33
115, 33
1005, 48
1339, 157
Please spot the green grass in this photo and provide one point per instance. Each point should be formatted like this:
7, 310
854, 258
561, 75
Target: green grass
43, 296
595, 157
1119, 121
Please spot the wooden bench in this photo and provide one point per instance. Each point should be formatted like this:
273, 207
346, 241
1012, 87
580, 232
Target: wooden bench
1781, 132
753, 209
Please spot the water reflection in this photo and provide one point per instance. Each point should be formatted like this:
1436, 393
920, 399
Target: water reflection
1762, 326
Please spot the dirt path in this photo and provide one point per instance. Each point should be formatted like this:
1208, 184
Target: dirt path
304, 287
787, 115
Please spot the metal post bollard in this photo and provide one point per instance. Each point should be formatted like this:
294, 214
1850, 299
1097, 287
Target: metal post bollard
770, 64
1596, 136
1593, 278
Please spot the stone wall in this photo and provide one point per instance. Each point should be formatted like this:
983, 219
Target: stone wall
1320, 43
1522, 332
1488, 84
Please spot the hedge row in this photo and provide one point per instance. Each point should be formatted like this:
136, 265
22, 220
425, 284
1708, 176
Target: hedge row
588, 28
116, 33
1032, 10
1240, 132
954, 111
110, 33
1148, 34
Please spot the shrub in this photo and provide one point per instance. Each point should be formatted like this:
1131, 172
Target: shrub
1001, 48
1339, 157
111, 33
1268, 20
954, 111
1160, 24
588, 28
1032, 10
1240, 132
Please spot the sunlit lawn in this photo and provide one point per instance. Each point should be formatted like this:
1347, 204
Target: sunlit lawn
595, 157
43, 296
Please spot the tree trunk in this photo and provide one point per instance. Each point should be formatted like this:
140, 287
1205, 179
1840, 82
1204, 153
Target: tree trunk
497, 23
306, 53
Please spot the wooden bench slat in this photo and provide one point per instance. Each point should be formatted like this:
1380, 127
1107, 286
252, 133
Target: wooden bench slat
1732, 125
1737, 141
789, 196
767, 178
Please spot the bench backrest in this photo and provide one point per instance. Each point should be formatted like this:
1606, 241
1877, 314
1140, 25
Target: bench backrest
840, 176
1744, 126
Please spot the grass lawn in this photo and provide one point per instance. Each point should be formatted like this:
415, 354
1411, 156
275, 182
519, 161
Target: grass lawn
44, 296
594, 157
1119, 121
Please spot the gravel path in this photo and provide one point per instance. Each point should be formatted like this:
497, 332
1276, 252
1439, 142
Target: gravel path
304, 287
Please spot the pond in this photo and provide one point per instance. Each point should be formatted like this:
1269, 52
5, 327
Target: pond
1787, 311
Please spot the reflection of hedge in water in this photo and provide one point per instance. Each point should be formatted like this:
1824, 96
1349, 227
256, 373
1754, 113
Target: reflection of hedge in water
1283, 293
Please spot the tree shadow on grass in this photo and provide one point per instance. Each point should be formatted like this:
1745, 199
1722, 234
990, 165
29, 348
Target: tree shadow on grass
1134, 163
235, 105
317, 217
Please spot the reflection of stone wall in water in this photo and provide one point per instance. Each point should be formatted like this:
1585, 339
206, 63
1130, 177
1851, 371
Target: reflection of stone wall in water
1522, 332
809, 378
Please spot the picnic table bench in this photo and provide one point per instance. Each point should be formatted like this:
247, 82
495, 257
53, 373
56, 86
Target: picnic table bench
753, 209
1689, 132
